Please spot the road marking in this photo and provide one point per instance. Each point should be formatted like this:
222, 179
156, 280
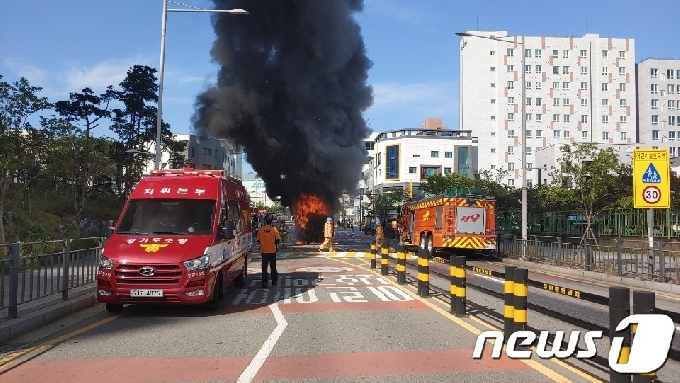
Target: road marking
249, 373
6, 360
529, 362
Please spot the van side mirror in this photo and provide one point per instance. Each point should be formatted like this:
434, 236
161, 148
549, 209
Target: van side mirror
228, 230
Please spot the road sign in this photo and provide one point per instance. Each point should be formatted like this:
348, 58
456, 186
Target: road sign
651, 179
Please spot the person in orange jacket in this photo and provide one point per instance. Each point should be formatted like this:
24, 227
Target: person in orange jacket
269, 239
328, 234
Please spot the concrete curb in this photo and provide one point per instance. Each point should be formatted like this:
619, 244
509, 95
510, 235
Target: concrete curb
625, 281
23, 324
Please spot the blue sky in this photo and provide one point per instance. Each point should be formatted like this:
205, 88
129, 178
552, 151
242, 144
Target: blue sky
65, 45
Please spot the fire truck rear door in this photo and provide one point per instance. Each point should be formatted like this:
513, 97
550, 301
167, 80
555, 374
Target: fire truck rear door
470, 220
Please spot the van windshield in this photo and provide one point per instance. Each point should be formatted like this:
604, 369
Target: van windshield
165, 216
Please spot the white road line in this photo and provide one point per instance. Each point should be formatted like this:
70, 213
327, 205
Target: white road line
249, 373
489, 278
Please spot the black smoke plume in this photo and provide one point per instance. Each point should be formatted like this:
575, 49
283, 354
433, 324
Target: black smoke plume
291, 91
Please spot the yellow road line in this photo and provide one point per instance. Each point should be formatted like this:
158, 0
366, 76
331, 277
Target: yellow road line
6, 360
531, 363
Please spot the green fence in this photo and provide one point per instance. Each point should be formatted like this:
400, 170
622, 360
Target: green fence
619, 222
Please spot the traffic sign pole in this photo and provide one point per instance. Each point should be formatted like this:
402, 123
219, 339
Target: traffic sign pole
650, 234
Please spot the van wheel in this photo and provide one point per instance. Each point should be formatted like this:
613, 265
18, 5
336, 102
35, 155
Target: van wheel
214, 303
240, 280
114, 308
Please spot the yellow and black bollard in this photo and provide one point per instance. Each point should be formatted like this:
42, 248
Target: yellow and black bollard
423, 273
384, 256
401, 264
372, 256
457, 285
643, 303
519, 311
509, 309
619, 308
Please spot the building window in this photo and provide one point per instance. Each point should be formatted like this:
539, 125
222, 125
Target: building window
565, 86
412, 170
605, 102
566, 134
655, 135
584, 70
539, 101
655, 88
537, 53
584, 86
605, 86
671, 120
434, 154
493, 100
511, 116
624, 136
555, 118
539, 133
193, 152
605, 135
565, 54
539, 118
556, 134
447, 170
566, 102
584, 102
527, 69
556, 86
556, 69
511, 85
605, 119
655, 104
207, 151
583, 53
622, 87
622, 119
511, 150
370, 146
511, 166
555, 53
584, 118
605, 70
622, 103
527, 101
622, 54
671, 104
493, 68
528, 133
464, 161
392, 154
604, 54
584, 135
539, 69
527, 53
556, 102
654, 73
670, 74
448, 154
492, 53
510, 68
511, 52
511, 101
493, 84
528, 150
426, 171
565, 70
655, 120
566, 117
622, 70
537, 85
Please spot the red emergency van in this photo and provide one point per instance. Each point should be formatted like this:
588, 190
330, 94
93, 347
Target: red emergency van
182, 237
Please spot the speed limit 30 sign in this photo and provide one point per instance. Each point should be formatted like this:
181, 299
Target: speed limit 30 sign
651, 194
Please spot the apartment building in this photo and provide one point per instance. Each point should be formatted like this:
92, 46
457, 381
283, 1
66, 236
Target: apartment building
205, 153
658, 95
576, 89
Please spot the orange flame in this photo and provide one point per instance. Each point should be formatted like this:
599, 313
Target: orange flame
306, 205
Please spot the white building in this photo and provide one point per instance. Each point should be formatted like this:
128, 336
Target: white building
257, 190
577, 89
658, 94
204, 152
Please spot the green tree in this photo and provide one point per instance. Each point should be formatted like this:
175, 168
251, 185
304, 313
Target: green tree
18, 102
440, 184
593, 174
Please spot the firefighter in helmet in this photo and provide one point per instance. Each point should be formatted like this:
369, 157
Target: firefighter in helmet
328, 234
379, 233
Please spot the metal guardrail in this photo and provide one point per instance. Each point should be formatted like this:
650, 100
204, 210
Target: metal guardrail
35, 270
659, 262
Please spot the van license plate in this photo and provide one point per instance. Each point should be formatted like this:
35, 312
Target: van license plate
490, 247
146, 293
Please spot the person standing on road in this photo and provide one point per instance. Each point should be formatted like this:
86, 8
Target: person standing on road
379, 233
269, 239
328, 234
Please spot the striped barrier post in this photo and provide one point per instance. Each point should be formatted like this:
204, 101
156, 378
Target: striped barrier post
372, 256
458, 273
619, 308
384, 256
643, 303
520, 300
401, 264
509, 309
423, 273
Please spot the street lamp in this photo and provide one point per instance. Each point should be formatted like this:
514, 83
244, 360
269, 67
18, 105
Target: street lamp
524, 135
164, 18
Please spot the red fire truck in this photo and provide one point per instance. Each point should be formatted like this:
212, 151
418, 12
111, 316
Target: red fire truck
182, 237
460, 221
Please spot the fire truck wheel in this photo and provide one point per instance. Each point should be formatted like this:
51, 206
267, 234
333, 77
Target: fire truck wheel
240, 280
114, 308
214, 303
